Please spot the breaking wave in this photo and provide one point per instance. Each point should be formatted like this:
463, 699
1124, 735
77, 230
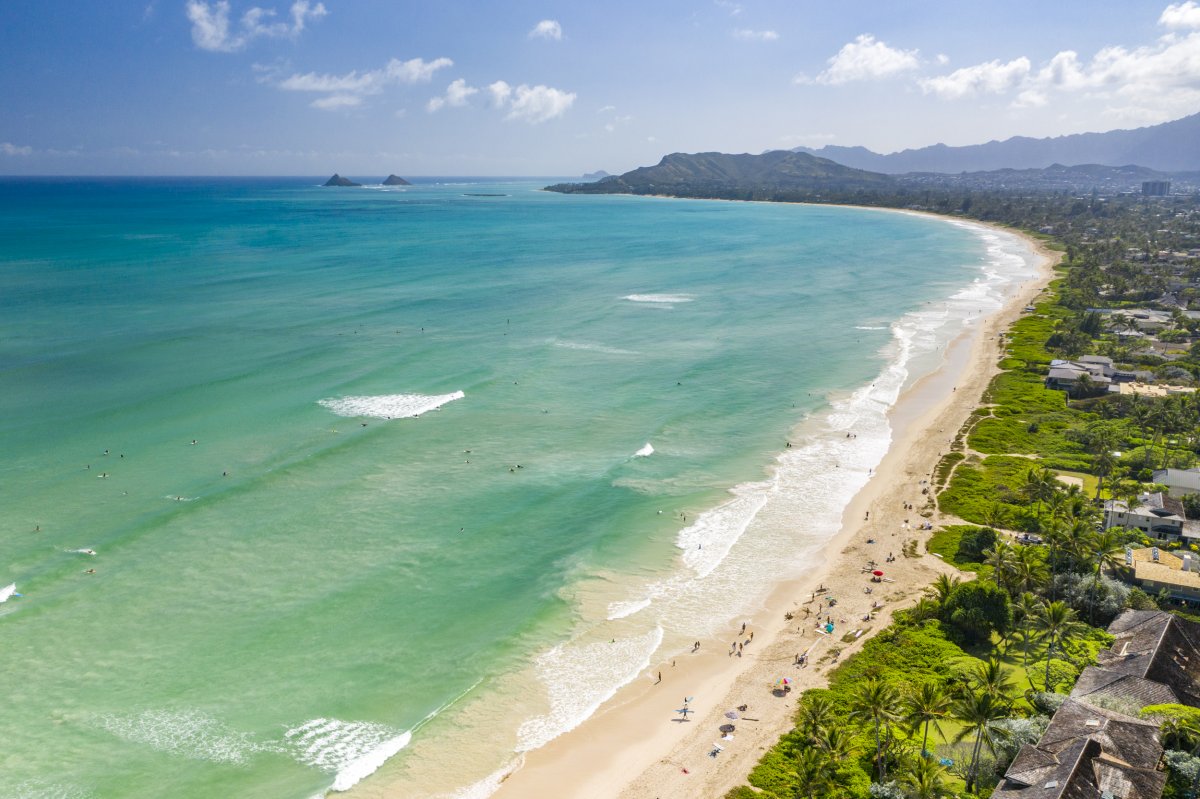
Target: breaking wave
389, 406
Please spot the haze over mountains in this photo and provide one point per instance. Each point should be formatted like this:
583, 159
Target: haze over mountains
1169, 147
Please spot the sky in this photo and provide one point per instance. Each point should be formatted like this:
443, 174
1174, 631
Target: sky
552, 88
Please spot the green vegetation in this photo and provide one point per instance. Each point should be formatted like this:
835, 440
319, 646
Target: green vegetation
938, 703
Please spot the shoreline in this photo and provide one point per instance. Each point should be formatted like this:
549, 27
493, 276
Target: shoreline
634, 746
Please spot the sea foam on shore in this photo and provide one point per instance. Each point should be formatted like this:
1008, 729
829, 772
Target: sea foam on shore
774, 529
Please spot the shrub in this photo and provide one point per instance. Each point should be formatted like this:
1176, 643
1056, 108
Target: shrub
977, 609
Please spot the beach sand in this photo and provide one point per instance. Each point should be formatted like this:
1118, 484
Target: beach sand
636, 747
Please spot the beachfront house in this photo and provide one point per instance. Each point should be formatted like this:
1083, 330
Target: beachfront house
1156, 570
1064, 375
1179, 482
1154, 660
1089, 750
1157, 515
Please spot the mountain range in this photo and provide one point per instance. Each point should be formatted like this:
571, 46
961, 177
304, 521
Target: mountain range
1169, 147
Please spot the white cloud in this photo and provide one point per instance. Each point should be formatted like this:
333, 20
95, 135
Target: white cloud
547, 29
456, 95
1181, 15
733, 8
745, 34
866, 58
991, 77
942, 59
1150, 83
500, 91
606, 109
415, 70
7, 148
349, 90
336, 102
211, 28
537, 104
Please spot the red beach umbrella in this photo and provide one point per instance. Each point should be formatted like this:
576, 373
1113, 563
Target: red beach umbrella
877, 573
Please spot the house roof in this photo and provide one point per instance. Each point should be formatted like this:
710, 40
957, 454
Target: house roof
1156, 646
1084, 753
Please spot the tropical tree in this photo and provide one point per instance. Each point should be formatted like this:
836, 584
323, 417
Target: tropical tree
812, 774
815, 714
837, 742
924, 706
878, 702
979, 711
989, 676
1029, 571
1001, 558
1026, 609
926, 780
1054, 621
942, 587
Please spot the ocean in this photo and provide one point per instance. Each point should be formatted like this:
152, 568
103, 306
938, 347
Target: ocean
308, 489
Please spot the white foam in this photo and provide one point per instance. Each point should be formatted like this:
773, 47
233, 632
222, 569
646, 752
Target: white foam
487, 786
351, 750
772, 529
869, 327
187, 733
668, 299
7, 591
589, 347
389, 406
37, 789
621, 610
579, 677
645, 451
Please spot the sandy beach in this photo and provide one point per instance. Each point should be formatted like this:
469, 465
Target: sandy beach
636, 746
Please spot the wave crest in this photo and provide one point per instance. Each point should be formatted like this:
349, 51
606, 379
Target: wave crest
389, 406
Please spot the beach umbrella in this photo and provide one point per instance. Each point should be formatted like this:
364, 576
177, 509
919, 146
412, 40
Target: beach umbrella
727, 728
877, 573
731, 714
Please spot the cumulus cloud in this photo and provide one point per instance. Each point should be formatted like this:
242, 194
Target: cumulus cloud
213, 31
500, 91
7, 148
547, 29
745, 34
1150, 83
349, 89
456, 96
991, 77
865, 58
1181, 15
537, 104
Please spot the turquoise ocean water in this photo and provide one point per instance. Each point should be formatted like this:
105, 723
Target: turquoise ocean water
393, 482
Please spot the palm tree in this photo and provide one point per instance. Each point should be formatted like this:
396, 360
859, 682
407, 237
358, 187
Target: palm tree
1108, 550
942, 587
837, 742
1000, 557
1054, 620
1029, 572
979, 712
989, 676
996, 515
926, 705
812, 774
878, 702
814, 715
1026, 610
926, 780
